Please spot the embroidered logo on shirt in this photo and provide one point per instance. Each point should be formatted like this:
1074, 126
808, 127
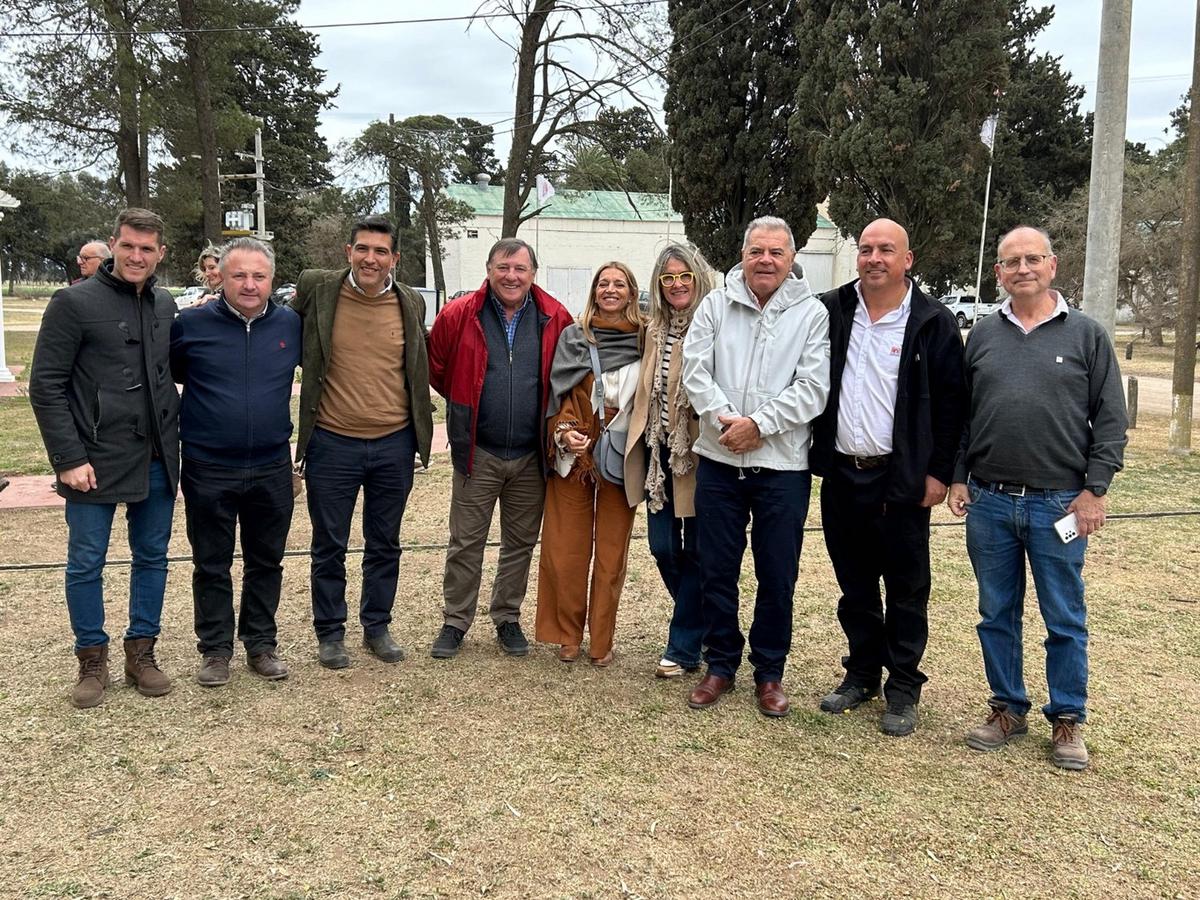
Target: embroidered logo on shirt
283, 345
895, 350
1058, 359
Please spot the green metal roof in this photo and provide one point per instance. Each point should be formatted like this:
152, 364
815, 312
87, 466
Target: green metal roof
488, 200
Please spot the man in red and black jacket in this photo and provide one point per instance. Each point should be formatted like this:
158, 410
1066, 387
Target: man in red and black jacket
489, 356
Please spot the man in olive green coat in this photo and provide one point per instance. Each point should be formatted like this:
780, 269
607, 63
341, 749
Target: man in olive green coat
365, 413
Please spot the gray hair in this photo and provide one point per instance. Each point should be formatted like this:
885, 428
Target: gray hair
769, 223
705, 280
506, 247
100, 247
250, 245
1042, 231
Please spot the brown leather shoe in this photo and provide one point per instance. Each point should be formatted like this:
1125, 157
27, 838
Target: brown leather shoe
213, 672
141, 668
268, 665
568, 653
604, 661
93, 677
772, 701
709, 691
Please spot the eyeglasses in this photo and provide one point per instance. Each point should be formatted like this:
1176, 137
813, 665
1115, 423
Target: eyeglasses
1032, 260
670, 279
81, 259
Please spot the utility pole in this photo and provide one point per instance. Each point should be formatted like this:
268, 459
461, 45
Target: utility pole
1183, 382
1102, 263
260, 182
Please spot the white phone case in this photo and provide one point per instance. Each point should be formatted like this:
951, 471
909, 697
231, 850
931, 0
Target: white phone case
1067, 528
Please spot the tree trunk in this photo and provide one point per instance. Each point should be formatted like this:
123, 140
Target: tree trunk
1183, 384
210, 191
518, 173
129, 132
429, 213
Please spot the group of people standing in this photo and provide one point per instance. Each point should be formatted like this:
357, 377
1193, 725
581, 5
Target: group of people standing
715, 407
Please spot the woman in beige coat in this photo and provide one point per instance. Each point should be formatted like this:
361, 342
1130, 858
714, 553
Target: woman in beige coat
659, 463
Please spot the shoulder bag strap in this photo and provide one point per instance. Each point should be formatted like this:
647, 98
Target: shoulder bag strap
599, 386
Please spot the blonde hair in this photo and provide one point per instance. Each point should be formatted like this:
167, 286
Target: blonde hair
704, 280
631, 312
209, 252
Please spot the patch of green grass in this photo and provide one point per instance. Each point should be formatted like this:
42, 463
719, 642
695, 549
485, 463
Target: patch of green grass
21, 450
18, 351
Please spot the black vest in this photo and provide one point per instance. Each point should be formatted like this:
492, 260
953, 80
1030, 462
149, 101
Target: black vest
510, 421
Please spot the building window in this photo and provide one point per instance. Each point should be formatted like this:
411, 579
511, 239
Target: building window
472, 233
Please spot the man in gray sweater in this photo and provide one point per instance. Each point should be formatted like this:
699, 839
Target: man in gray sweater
1045, 434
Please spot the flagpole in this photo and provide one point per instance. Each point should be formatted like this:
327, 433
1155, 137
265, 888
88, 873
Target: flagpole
987, 195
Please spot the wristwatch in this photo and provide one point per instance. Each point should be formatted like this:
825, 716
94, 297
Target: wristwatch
1098, 489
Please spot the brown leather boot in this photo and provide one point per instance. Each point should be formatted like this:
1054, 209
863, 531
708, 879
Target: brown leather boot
93, 677
141, 669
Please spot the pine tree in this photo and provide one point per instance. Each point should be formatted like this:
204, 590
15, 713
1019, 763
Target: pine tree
732, 80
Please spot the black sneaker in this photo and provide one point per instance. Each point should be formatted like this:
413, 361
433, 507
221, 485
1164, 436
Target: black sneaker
447, 643
512, 639
900, 719
846, 697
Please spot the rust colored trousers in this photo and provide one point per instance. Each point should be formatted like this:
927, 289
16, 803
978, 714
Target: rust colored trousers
585, 526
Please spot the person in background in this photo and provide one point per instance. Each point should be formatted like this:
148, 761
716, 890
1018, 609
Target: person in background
660, 466
90, 257
207, 271
588, 520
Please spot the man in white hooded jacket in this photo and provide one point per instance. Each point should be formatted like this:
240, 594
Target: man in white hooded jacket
756, 370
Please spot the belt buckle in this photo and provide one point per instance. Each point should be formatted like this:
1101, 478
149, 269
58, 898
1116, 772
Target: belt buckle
1012, 493
858, 464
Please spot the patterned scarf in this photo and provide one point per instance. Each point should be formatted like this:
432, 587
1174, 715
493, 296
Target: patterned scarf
679, 411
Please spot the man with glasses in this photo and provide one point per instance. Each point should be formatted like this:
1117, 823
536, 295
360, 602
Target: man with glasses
1045, 435
489, 356
91, 256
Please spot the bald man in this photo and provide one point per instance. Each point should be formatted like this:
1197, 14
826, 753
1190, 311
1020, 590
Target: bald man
91, 256
886, 446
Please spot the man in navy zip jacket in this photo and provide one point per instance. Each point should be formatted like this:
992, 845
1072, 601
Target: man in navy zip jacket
885, 448
236, 359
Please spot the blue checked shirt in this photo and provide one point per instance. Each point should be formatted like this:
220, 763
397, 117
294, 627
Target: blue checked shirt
510, 328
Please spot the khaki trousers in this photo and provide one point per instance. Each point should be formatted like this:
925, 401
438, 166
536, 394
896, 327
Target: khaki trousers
519, 486
582, 521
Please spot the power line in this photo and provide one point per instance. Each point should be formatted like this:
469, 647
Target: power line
247, 29
428, 548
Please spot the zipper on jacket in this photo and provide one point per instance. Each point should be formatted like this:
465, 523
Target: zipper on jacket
96, 420
746, 385
246, 394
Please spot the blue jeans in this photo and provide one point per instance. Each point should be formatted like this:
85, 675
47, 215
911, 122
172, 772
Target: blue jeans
336, 467
1001, 531
776, 503
89, 527
673, 546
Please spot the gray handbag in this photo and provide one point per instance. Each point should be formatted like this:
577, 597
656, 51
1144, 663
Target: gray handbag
609, 454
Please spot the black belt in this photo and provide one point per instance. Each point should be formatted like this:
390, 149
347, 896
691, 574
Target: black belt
1008, 487
865, 462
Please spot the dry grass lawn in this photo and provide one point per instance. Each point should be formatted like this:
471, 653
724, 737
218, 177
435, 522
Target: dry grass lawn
487, 776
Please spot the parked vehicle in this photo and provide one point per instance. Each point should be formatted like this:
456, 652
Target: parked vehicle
190, 296
963, 308
284, 294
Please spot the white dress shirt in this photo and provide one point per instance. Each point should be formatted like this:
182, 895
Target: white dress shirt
1060, 308
868, 400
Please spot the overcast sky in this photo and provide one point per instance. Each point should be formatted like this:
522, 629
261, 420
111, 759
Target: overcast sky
444, 68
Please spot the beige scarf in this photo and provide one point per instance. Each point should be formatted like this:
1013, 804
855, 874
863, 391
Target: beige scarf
679, 412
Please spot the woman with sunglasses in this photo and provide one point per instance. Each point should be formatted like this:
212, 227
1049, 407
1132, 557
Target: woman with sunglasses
586, 512
659, 464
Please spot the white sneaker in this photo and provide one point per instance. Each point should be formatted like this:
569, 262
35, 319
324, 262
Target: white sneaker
668, 669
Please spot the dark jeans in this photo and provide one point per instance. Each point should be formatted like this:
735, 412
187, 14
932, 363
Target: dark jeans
776, 503
335, 468
673, 546
89, 526
217, 498
869, 540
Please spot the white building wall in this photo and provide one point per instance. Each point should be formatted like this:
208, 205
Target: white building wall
567, 248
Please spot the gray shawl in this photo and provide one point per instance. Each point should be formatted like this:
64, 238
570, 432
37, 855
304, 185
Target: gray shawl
573, 362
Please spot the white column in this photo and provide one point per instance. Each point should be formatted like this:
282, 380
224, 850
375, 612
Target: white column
5, 374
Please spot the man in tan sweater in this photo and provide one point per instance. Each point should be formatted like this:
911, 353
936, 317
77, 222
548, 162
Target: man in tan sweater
365, 413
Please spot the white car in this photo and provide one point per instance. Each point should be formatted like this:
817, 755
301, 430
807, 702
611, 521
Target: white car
963, 308
189, 296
